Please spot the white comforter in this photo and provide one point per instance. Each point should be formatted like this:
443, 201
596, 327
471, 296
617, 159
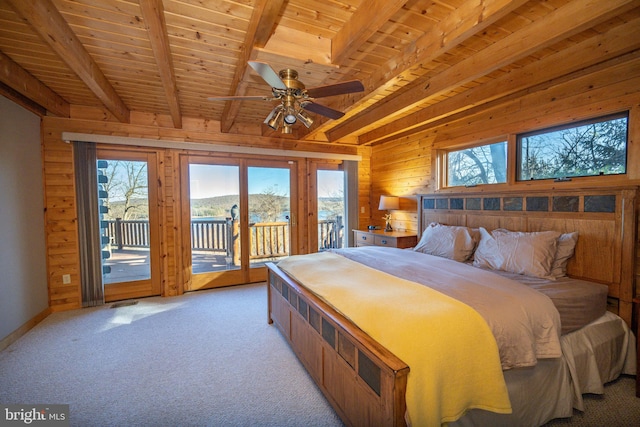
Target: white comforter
525, 322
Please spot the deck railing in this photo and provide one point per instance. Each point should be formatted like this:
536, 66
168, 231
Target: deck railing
268, 239
211, 235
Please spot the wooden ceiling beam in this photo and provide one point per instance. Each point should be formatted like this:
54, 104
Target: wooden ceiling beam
575, 100
20, 80
154, 22
583, 57
268, 12
560, 24
364, 23
263, 20
629, 61
471, 18
26, 103
47, 21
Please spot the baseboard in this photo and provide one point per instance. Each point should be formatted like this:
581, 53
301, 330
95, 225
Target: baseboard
15, 335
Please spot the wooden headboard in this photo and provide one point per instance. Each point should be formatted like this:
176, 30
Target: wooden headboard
604, 218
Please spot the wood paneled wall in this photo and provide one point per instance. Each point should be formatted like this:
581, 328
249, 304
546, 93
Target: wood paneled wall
364, 187
403, 167
60, 221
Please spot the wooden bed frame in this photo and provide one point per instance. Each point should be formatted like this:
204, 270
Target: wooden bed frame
362, 380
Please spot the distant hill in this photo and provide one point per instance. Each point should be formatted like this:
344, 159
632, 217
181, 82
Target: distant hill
266, 206
219, 206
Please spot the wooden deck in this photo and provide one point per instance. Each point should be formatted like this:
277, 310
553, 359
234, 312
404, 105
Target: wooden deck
133, 264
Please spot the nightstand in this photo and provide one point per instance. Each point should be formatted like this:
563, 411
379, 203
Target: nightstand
394, 239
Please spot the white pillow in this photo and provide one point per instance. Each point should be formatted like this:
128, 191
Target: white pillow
518, 252
566, 247
448, 241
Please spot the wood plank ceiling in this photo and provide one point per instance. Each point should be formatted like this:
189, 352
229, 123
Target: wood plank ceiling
422, 62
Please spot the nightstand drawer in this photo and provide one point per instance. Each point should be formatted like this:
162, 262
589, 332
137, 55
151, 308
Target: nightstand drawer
386, 241
364, 239
392, 239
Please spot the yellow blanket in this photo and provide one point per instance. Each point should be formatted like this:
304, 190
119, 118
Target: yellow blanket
451, 352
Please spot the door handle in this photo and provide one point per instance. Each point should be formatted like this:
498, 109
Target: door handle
291, 219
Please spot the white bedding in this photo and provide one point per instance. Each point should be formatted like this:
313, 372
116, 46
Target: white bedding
522, 340
579, 302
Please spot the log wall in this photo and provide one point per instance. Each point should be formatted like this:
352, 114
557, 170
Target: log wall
404, 166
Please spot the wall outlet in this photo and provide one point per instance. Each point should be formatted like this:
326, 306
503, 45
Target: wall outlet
66, 279
362, 209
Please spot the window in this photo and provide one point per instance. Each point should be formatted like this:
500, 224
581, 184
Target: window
484, 164
595, 147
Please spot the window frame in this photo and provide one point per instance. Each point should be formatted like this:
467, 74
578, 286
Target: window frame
440, 159
570, 125
443, 163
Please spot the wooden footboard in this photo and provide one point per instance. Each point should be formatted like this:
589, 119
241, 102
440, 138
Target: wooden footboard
362, 380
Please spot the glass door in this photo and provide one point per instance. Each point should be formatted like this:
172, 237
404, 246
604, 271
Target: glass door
331, 209
213, 235
129, 229
238, 216
270, 214
215, 217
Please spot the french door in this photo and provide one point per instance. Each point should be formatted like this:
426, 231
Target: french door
331, 208
328, 227
128, 226
236, 215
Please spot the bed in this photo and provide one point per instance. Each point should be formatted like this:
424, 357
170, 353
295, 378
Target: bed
578, 341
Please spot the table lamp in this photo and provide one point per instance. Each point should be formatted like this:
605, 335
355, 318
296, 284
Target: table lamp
388, 203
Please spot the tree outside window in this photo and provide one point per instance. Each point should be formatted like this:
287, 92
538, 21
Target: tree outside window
598, 147
484, 164
127, 190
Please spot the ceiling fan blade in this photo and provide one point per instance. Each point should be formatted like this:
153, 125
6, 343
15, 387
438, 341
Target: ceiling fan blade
336, 89
240, 98
267, 73
322, 110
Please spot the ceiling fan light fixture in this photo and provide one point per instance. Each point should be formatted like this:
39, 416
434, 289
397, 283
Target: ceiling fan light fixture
274, 119
289, 109
305, 118
287, 129
294, 97
290, 117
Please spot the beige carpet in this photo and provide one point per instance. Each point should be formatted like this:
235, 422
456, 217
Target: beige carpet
617, 407
207, 358
204, 359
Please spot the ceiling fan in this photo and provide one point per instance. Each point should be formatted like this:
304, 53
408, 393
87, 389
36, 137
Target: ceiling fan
294, 97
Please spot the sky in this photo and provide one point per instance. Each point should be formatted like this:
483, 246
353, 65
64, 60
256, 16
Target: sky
221, 180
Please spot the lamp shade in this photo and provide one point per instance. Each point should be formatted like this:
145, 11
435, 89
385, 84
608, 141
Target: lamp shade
389, 202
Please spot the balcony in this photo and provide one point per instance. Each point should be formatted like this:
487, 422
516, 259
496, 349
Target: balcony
215, 246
